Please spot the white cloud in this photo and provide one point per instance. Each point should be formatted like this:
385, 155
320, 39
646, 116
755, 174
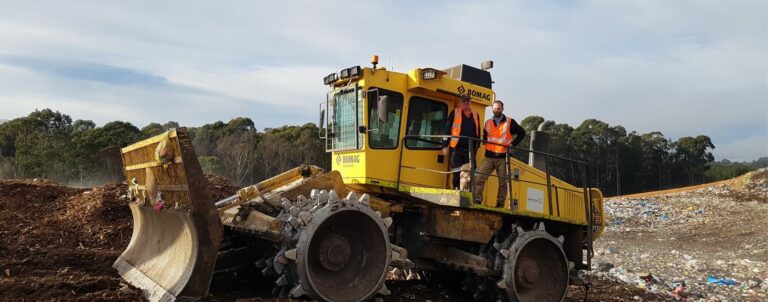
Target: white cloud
680, 67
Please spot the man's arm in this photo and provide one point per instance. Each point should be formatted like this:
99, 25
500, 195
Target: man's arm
516, 131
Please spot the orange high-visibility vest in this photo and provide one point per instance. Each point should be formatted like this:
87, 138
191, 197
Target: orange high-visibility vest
456, 126
499, 135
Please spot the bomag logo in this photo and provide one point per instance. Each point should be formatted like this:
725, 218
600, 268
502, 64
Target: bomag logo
347, 159
478, 94
474, 93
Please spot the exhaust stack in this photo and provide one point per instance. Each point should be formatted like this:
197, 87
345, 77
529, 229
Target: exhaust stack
540, 143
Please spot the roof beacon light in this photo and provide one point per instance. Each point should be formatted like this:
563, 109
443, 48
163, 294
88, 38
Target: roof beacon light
375, 60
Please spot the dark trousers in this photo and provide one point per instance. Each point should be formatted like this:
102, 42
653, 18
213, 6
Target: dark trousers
458, 158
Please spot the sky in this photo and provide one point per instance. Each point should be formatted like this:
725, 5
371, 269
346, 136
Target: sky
684, 68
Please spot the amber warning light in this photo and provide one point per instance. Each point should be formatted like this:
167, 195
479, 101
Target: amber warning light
374, 60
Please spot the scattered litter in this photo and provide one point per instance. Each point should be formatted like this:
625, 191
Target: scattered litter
604, 266
720, 281
679, 291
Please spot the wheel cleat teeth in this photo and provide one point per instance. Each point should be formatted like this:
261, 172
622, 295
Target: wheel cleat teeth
260, 264
323, 196
314, 194
483, 286
504, 253
352, 196
267, 271
364, 199
542, 227
519, 230
305, 217
285, 203
279, 267
333, 197
395, 255
561, 238
384, 291
388, 222
502, 284
297, 292
295, 222
378, 213
291, 254
497, 246
282, 281
282, 259
478, 295
294, 211
301, 201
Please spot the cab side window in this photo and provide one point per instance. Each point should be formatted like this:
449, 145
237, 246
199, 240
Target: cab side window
425, 117
385, 135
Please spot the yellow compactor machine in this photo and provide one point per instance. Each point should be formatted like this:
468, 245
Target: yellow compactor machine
386, 204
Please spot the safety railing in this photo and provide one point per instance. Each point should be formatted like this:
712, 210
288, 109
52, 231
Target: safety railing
474, 144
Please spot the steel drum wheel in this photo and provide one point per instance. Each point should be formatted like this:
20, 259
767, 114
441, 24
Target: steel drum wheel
536, 269
335, 249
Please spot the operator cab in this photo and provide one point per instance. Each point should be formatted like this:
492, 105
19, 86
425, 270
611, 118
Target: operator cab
382, 126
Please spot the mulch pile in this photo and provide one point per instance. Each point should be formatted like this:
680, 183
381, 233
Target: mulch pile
220, 187
59, 243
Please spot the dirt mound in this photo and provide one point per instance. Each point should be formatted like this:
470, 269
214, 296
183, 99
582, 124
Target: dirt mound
58, 243
98, 218
220, 187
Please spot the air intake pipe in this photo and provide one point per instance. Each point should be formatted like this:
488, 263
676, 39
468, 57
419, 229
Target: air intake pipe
539, 143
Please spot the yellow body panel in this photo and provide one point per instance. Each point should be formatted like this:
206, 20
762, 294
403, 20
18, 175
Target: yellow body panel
366, 168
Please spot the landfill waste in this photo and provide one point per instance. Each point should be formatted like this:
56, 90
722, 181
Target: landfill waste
679, 239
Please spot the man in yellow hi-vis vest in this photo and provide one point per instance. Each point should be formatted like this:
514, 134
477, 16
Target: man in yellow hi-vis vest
461, 122
500, 132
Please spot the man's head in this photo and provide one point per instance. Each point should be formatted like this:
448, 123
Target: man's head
498, 108
465, 102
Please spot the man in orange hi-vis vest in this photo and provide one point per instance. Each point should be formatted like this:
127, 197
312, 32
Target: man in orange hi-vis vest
504, 132
461, 122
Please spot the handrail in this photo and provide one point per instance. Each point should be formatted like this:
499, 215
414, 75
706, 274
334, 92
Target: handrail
586, 187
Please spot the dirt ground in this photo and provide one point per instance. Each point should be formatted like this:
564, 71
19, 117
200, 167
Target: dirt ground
58, 243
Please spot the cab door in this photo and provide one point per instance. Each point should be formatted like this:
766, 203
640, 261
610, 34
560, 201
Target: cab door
422, 157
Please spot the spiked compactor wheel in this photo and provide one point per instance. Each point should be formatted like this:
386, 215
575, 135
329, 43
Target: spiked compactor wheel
536, 269
335, 249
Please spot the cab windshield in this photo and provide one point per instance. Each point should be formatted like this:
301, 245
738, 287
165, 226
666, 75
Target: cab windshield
345, 107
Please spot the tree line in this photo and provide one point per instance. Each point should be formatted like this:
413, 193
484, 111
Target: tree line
49, 144
624, 162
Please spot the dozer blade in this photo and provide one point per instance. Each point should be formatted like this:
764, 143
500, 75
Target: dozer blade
176, 228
